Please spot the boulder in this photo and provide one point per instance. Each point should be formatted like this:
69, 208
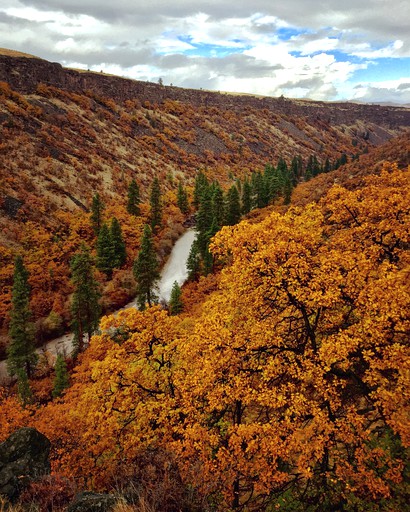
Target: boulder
23, 458
93, 502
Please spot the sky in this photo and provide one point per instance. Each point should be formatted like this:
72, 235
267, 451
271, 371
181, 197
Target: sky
331, 50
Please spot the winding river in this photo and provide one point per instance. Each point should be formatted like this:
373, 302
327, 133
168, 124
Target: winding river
173, 270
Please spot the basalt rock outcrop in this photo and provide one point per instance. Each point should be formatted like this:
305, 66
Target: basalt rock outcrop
23, 458
93, 502
25, 74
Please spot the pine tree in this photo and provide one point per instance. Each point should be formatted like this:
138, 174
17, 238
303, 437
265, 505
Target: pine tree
287, 188
208, 262
156, 207
233, 207
118, 244
146, 270
201, 185
61, 379
193, 262
23, 387
85, 308
133, 204
97, 208
175, 302
217, 205
257, 185
182, 199
105, 252
246, 197
21, 355
204, 220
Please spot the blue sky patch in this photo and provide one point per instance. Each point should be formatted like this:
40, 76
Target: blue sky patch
383, 69
210, 50
285, 33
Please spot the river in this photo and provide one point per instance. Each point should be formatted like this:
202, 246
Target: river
173, 270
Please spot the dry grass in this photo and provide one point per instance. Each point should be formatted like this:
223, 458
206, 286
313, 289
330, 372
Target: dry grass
14, 53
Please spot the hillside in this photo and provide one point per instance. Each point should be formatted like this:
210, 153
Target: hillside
67, 135
279, 377
287, 388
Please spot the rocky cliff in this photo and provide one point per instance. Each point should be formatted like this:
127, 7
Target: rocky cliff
24, 75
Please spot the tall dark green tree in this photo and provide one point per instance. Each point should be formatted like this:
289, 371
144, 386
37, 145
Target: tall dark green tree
193, 263
21, 355
258, 190
118, 243
175, 302
201, 185
61, 379
85, 308
182, 199
287, 188
97, 208
23, 388
156, 206
233, 207
105, 252
146, 271
204, 218
133, 203
218, 206
246, 197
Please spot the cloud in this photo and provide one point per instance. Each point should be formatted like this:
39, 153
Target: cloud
310, 49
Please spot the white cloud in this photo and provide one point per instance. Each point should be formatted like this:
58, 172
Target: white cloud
367, 52
261, 47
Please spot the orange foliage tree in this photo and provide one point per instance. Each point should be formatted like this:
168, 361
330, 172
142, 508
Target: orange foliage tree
300, 392
290, 388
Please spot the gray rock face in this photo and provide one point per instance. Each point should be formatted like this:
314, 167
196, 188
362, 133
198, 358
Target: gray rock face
23, 457
92, 502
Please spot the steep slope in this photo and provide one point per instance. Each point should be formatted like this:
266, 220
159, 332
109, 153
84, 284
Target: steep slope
353, 174
66, 135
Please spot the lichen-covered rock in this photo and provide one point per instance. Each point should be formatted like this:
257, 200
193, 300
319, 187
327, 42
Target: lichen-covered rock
23, 458
93, 502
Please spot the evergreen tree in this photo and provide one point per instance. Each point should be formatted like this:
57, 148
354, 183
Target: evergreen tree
182, 199
257, 185
156, 207
175, 302
246, 197
193, 262
21, 355
85, 308
146, 270
97, 208
61, 379
287, 188
296, 169
208, 262
133, 204
343, 159
105, 251
204, 220
217, 207
118, 243
23, 387
201, 185
233, 207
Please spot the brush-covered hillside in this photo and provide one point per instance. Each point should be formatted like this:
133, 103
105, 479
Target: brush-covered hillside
285, 387
68, 137
277, 378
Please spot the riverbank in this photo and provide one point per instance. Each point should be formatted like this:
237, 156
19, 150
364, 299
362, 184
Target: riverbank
174, 270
